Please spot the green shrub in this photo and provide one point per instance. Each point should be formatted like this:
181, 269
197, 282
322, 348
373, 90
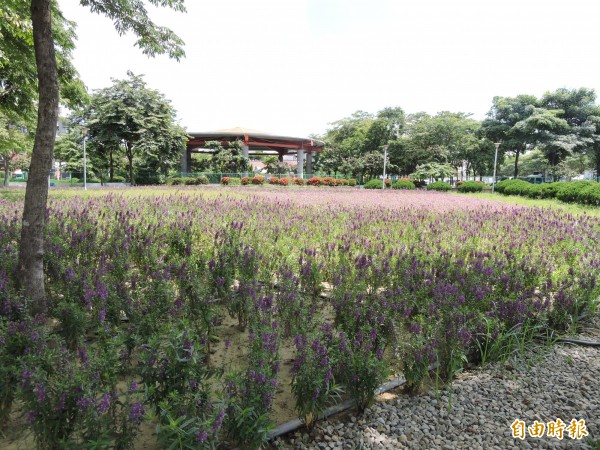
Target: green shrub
202, 180
118, 179
548, 190
373, 184
236, 181
93, 180
351, 181
535, 191
501, 186
513, 187
403, 184
439, 186
470, 186
569, 191
142, 180
189, 181
590, 195
518, 187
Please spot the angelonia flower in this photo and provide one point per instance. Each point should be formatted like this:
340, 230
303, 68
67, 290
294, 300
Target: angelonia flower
136, 412
201, 437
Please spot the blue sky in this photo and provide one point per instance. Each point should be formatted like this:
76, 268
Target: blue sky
294, 66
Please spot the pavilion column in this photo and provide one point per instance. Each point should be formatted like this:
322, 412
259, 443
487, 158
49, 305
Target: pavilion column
246, 153
300, 159
185, 161
309, 156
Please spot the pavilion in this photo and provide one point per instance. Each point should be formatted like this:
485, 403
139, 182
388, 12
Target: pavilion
257, 143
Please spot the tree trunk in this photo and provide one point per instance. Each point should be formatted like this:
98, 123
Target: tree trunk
129, 155
6, 170
111, 166
597, 161
31, 248
517, 153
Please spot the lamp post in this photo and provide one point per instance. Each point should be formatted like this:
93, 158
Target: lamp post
497, 144
85, 130
385, 149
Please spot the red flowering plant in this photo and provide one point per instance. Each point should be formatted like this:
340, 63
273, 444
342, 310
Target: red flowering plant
315, 181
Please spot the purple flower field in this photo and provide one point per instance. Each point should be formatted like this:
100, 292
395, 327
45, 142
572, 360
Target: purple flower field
358, 283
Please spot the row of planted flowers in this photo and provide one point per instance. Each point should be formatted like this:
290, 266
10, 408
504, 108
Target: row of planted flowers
139, 287
259, 180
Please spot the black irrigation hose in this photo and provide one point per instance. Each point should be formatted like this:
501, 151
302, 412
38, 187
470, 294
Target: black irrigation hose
570, 341
294, 424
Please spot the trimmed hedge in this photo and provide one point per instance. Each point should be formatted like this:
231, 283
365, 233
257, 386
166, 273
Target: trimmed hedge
590, 195
518, 187
581, 191
403, 184
569, 192
439, 186
470, 186
373, 184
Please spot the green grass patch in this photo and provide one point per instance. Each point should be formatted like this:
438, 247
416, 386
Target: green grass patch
569, 208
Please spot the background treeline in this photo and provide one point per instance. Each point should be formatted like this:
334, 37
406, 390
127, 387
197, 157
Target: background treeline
558, 134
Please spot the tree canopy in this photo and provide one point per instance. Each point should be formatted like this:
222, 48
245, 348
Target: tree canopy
137, 122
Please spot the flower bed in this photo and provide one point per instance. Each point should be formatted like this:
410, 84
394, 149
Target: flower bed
145, 287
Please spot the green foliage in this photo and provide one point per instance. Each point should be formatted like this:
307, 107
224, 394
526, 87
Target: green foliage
516, 187
439, 186
129, 119
403, 184
228, 159
590, 195
470, 186
434, 170
549, 190
313, 384
18, 80
373, 184
190, 181
569, 192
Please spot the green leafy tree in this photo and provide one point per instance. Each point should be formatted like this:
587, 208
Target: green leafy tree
129, 117
577, 109
505, 123
387, 126
434, 171
128, 16
15, 140
228, 159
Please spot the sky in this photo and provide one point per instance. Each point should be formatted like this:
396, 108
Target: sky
292, 67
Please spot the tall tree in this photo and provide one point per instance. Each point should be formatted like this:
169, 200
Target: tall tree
504, 123
127, 15
577, 133
131, 117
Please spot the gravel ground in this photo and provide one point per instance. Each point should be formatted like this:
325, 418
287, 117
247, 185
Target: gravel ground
544, 384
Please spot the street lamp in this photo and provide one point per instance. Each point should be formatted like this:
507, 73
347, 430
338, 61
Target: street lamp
497, 144
85, 130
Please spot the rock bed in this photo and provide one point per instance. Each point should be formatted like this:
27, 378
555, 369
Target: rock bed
544, 384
